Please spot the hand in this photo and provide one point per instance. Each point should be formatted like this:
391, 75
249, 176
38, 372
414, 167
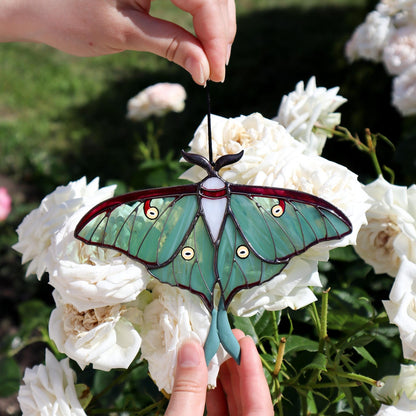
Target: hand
99, 27
241, 390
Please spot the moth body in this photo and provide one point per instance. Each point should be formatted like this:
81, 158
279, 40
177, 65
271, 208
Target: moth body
214, 203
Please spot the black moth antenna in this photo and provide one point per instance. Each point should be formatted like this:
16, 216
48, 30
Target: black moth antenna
208, 164
212, 168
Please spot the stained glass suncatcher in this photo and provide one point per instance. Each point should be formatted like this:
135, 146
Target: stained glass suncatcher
213, 234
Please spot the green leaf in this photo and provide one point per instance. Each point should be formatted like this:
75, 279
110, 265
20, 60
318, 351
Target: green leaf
84, 394
366, 355
257, 326
342, 321
9, 377
246, 326
318, 362
34, 314
263, 323
310, 400
269, 360
298, 343
360, 341
346, 254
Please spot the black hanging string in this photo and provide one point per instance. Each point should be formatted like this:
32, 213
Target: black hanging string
209, 126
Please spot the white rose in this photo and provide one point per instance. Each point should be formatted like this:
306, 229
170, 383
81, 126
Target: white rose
173, 316
304, 109
403, 12
401, 308
156, 100
404, 92
404, 407
101, 336
369, 38
400, 52
392, 7
256, 135
38, 227
49, 390
393, 387
391, 229
90, 277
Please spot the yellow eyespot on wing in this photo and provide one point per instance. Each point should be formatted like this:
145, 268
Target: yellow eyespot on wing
242, 252
188, 253
277, 210
152, 213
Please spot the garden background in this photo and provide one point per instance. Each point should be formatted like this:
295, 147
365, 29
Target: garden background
63, 117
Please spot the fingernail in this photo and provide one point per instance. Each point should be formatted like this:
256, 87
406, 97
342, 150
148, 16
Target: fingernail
188, 355
196, 69
227, 59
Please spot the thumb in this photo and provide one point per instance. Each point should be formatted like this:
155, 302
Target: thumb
190, 386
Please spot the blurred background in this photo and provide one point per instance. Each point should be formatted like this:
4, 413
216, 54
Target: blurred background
63, 117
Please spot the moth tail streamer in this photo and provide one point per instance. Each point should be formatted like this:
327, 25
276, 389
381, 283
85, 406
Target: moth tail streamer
220, 332
227, 338
212, 342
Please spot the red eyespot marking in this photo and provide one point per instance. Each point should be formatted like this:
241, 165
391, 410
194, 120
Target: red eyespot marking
151, 212
90, 43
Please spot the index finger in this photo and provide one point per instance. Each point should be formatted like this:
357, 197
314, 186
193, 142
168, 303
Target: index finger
254, 390
215, 27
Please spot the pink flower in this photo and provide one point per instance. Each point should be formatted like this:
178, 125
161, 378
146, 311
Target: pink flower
5, 203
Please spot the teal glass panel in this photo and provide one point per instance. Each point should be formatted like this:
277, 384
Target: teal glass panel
99, 233
146, 233
164, 274
235, 272
315, 219
126, 235
252, 222
283, 242
311, 223
335, 225
179, 218
134, 230
292, 231
116, 225
226, 250
289, 225
196, 273
92, 227
270, 270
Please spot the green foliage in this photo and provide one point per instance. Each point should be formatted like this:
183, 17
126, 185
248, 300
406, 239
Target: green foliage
321, 373
9, 377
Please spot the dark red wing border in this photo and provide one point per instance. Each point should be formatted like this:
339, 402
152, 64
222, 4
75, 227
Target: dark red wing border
112, 203
291, 195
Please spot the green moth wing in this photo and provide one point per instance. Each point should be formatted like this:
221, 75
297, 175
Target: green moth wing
213, 234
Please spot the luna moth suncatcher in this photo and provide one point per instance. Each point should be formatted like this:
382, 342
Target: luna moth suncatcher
213, 234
